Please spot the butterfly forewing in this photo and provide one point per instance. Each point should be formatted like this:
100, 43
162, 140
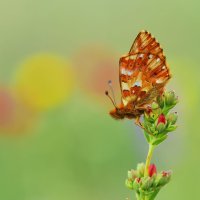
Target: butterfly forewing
146, 43
143, 72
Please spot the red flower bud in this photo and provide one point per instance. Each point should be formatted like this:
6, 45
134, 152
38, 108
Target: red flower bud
152, 170
138, 180
165, 173
161, 119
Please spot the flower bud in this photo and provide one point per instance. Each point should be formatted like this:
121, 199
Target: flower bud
170, 98
152, 170
132, 174
160, 127
136, 184
161, 119
161, 124
172, 118
138, 179
161, 101
154, 106
140, 169
166, 176
166, 173
156, 110
129, 184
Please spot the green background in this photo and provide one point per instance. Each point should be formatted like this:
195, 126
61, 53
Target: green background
75, 150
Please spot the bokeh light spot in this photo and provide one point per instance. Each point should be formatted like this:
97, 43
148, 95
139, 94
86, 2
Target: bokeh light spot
44, 81
95, 65
6, 107
15, 118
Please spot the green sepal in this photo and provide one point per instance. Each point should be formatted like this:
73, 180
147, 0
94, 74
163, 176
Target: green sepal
171, 128
157, 141
129, 184
147, 136
152, 196
146, 183
152, 129
161, 127
136, 185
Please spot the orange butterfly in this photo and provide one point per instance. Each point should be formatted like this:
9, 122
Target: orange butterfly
143, 73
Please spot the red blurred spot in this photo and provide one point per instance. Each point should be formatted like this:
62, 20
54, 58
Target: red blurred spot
15, 118
161, 119
6, 107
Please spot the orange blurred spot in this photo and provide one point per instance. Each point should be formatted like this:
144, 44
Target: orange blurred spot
95, 66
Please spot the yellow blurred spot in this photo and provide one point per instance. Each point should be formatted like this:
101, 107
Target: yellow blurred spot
44, 81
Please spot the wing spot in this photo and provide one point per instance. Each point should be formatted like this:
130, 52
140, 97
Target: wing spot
150, 56
125, 86
159, 80
141, 55
123, 71
137, 83
158, 60
129, 73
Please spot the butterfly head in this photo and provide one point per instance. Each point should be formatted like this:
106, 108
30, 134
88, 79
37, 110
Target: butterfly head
117, 113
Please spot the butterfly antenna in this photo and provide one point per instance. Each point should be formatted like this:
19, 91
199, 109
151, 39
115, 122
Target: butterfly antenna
112, 91
113, 102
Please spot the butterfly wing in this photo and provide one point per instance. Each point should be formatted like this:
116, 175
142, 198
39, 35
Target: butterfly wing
143, 72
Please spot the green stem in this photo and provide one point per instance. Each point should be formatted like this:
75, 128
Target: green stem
148, 160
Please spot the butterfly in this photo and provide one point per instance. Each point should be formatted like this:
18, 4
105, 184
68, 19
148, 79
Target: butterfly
143, 74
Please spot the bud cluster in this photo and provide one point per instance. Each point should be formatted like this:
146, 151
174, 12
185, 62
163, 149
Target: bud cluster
158, 121
147, 186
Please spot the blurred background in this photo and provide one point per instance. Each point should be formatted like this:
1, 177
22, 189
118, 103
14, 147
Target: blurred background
57, 140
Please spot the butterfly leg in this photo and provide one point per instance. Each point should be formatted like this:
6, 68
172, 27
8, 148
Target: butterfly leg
138, 123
